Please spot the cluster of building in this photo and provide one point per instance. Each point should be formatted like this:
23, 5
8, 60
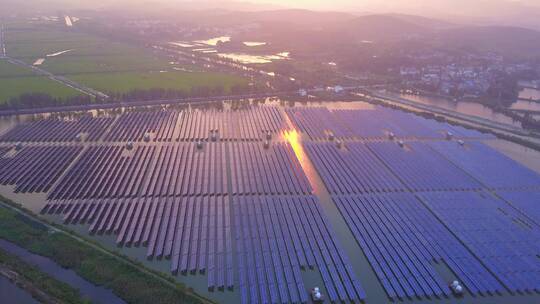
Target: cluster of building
473, 78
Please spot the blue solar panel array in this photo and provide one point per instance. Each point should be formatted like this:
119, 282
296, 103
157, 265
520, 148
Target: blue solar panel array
489, 166
354, 169
244, 213
276, 170
133, 126
402, 240
377, 123
317, 122
4, 150
114, 172
527, 202
499, 236
250, 124
421, 169
277, 236
58, 130
195, 233
36, 168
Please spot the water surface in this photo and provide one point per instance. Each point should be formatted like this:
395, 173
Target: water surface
95, 293
12, 293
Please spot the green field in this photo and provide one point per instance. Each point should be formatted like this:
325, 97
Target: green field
102, 64
16, 80
182, 81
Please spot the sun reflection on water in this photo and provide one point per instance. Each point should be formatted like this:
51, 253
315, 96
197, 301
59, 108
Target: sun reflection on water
294, 139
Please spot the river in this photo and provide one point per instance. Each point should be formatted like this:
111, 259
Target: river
88, 290
11, 293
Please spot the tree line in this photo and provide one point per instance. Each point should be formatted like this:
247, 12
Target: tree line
40, 100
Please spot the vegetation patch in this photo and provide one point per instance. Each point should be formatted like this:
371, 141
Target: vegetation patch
16, 81
179, 81
121, 70
60, 291
125, 279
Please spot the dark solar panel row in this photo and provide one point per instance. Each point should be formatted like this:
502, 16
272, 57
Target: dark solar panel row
527, 202
353, 169
420, 169
275, 170
246, 124
317, 122
133, 126
4, 150
499, 236
58, 130
401, 239
377, 123
115, 172
36, 168
490, 167
193, 232
277, 236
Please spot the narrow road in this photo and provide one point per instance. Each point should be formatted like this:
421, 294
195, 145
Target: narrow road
3, 53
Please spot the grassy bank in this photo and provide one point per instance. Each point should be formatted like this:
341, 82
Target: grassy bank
126, 280
58, 290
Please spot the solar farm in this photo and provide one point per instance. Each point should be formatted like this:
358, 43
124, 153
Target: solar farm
263, 203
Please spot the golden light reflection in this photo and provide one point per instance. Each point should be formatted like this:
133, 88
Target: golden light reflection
294, 139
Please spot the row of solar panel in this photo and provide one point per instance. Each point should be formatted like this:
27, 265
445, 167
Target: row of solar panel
133, 126
58, 130
114, 172
434, 166
272, 170
320, 123
159, 126
182, 169
37, 168
505, 241
193, 232
490, 167
276, 238
401, 239
252, 124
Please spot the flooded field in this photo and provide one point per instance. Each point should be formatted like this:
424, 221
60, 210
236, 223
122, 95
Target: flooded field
209, 46
252, 59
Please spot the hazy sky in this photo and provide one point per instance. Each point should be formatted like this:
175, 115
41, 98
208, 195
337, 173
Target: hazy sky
393, 5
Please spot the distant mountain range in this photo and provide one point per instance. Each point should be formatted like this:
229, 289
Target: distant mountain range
320, 28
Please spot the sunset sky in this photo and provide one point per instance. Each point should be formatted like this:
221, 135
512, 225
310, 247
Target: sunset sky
392, 4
